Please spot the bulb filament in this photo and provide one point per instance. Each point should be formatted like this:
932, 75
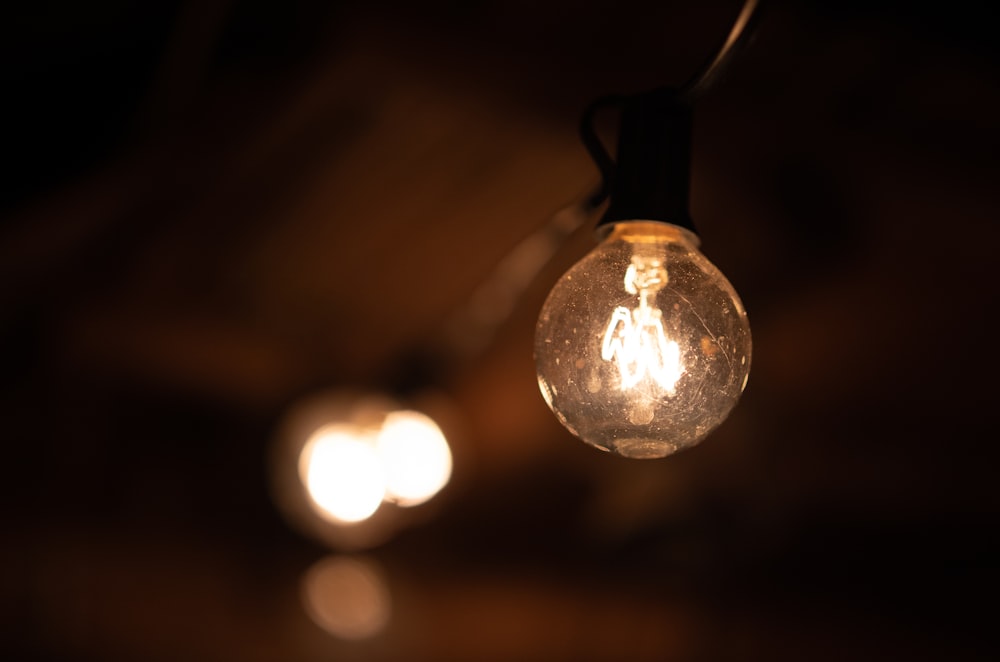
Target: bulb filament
635, 340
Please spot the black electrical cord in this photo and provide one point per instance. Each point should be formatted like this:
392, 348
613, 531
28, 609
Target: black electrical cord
741, 32
472, 326
694, 88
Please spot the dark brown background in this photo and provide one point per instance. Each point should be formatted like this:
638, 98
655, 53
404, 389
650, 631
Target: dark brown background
212, 209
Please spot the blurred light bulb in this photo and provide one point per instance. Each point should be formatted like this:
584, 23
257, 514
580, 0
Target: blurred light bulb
415, 456
643, 347
343, 474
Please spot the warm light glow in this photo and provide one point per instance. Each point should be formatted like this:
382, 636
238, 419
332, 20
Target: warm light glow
347, 597
345, 464
643, 347
635, 340
343, 474
415, 457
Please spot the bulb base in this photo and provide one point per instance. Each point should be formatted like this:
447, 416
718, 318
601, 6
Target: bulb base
651, 176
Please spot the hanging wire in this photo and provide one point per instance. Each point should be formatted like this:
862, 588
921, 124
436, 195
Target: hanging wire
473, 325
694, 88
740, 34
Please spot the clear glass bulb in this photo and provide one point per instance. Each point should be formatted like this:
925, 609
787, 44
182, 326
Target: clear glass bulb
643, 347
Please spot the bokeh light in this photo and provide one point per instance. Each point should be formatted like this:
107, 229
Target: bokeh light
346, 465
347, 596
342, 474
415, 457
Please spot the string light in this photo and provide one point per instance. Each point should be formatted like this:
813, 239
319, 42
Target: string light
345, 465
414, 456
342, 474
643, 347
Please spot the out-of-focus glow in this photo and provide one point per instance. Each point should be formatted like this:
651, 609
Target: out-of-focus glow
346, 465
348, 597
343, 474
415, 457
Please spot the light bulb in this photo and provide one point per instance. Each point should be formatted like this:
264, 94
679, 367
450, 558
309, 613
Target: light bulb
343, 474
415, 457
643, 347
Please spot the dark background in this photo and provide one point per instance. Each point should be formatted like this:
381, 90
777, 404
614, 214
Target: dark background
213, 209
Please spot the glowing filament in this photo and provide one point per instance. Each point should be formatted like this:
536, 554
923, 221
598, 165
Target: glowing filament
635, 339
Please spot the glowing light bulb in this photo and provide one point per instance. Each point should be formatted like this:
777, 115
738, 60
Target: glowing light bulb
635, 340
643, 347
343, 474
415, 455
